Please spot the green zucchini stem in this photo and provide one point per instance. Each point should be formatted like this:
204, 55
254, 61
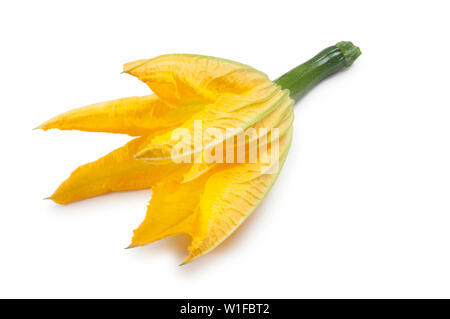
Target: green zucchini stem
327, 62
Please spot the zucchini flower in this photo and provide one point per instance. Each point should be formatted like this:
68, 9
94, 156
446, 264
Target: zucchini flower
210, 142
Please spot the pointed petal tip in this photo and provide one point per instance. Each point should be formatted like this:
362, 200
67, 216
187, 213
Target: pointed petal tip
143, 156
53, 200
133, 245
59, 202
139, 154
186, 261
130, 66
147, 155
39, 127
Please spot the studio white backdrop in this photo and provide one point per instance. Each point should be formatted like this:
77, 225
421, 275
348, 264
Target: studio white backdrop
360, 209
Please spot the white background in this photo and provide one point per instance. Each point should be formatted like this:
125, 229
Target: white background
361, 208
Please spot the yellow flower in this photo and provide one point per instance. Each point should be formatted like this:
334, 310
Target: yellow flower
206, 199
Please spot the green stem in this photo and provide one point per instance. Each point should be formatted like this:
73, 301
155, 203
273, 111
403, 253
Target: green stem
329, 61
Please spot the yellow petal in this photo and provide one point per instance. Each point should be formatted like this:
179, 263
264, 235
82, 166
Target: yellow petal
230, 114
230, 196
117, 171
281, 118
135, 116
210, 207
189, 79
170, 211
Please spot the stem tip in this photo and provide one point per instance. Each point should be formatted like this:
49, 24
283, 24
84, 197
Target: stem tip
350, 51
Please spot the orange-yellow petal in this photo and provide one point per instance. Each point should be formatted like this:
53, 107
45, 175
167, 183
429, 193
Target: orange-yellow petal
187, 79
281, 118
230, 196
211, 207
117, 171
135, 116
170, 212
230, 115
